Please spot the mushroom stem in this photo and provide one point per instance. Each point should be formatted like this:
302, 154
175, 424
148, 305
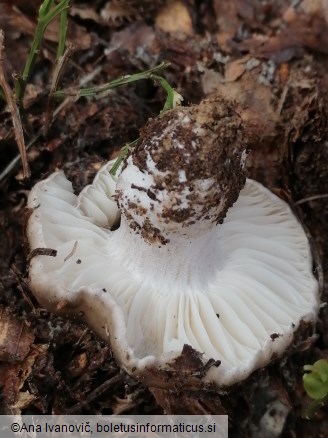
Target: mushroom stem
174, 189
182, 263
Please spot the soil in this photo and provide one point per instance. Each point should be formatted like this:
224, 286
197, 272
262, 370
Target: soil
269, 60
214, 142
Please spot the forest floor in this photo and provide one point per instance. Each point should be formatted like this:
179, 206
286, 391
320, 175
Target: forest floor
270, 57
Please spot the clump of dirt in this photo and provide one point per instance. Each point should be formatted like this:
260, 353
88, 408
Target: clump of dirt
195, 156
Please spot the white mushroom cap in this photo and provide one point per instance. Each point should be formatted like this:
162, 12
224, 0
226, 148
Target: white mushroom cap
236, 292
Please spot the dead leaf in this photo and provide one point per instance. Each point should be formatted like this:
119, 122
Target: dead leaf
290, 42
23, 401
15, 337
13, 377
174, 18
114, 13
283, 73
312, 7
211, 80
235, 69
118, 11
14, 22
134, 37
77, 365
85, 13
227, 19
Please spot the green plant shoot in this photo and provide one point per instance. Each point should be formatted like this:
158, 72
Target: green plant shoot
315, 382
173, 99
47, 12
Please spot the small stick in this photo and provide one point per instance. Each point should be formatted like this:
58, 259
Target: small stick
42, 251
18, 130
72, 252
311, 198
60, 63
100, 390
11, 166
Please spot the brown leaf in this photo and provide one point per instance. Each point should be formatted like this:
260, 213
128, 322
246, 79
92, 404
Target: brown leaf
24, 400
77, 365
134, 37
9, 384
235, 69
85, 13
175, 18
302, 33
14, 23
211, 80
13, 377
188, 402
15, 337
227, 19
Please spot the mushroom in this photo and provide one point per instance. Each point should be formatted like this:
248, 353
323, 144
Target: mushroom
202, 257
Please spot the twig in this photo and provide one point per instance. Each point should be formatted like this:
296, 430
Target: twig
311, 198
47, 12
71, 252
11, 166
116, 380
18, 130
60, 63
62, 32
22, 285
124, 80
41, 251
